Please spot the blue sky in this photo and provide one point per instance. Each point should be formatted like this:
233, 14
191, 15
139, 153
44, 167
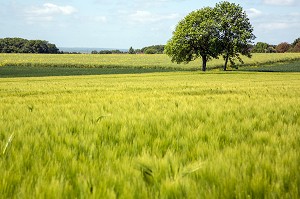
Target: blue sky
137, 23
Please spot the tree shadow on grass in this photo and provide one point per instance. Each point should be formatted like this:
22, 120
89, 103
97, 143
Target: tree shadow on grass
26, 71
276, 67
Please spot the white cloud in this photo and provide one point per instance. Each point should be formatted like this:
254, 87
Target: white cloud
50, 9
284, 22
253, 13
277, 26
279, 2
47, 12
147, 17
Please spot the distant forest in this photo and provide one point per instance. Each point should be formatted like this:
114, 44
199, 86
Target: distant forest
262, 47
19, 45
155, 49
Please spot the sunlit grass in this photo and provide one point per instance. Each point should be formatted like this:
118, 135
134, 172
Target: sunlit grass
162, 135
128, 61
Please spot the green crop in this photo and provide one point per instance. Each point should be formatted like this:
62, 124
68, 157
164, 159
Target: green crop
129, 61
159, 135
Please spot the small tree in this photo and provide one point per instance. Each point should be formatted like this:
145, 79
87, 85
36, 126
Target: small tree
150, 51
131, 50
283, 47
260, 47
295, 42
270, 49
235, 31
137, 51
296, 48
195, 36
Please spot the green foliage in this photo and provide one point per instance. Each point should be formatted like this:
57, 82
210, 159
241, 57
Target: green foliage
123, 61
296, 42
296, 48
270, 49
107, 52
150, 51
210, 32
19, 45
131, 51
155, 49
260, 47
162, 135
235, 31
116, 52
195, 36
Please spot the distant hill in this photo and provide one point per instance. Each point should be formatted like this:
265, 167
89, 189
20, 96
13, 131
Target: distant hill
87, 50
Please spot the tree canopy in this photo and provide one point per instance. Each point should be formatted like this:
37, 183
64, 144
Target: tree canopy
211, 32
131, 50
296, 47
155, 49
19, 45
195, 36
283, 47
260, 47
235, 31
296, 42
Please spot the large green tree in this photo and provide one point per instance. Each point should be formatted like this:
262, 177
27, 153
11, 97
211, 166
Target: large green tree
210, 32
235, 31
195, 36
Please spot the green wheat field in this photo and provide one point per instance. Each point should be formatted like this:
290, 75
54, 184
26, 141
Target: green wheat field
140, 61
183, 134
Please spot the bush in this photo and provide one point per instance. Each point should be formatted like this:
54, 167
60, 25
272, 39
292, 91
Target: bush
260, 47
283, 47
296, 42
150, 51
159, 49
296, 48
270, 49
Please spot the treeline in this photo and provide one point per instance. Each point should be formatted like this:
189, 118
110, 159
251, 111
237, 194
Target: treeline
260, 47
155, 49
108, 52
283, 47
19, 45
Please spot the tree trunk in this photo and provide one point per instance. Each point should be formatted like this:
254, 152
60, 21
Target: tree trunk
204, 60
226, 61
